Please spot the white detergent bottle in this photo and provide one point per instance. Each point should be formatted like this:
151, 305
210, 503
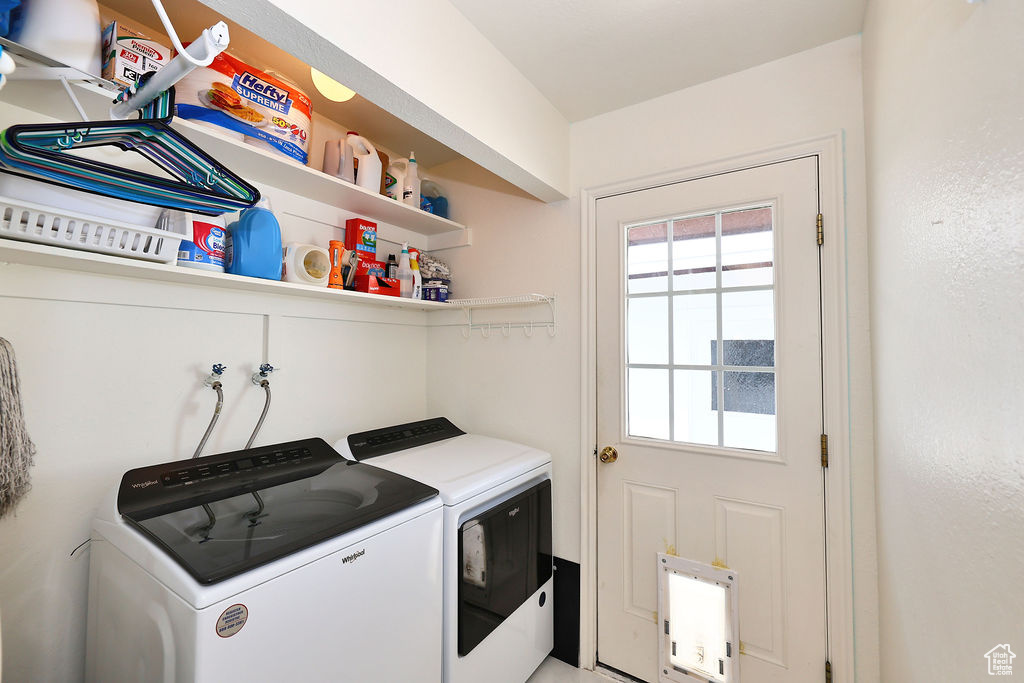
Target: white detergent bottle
368, 161
348, 159
405, 280
395, 180
411, 192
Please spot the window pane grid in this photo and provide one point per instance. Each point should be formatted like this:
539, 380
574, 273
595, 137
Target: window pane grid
748, 288
738, 372
724, 368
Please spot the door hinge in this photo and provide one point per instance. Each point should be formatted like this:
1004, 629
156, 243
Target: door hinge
824, 450
821, 229
828, 671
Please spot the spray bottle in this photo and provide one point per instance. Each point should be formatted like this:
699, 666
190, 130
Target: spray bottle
411, 193
417, 277
405, 278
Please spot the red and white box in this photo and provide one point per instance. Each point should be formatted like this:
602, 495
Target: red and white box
361, 237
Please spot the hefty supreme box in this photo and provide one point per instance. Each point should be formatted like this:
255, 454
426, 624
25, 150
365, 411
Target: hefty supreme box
128, 54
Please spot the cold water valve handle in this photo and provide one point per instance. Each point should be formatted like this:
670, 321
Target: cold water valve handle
215, 373
260, 376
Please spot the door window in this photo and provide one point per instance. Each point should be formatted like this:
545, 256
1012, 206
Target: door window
700, 329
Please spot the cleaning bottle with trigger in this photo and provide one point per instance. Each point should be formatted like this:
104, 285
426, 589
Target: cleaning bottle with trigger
405, 279
411, 193
417, 277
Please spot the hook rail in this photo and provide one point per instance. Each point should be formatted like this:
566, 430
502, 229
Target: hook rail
506, 327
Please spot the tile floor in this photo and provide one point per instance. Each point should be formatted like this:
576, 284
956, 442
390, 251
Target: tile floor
555, 671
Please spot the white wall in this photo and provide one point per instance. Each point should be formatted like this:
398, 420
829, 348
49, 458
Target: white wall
943, 104
424, 62
809, 94
520, 388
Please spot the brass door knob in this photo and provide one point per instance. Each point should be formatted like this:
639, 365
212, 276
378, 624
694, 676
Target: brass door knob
609, 454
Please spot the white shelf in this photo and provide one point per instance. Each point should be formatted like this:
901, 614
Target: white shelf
260, 166
501, 301
252, 163
14, 251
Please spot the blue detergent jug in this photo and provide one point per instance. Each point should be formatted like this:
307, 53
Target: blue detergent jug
254, 244
12, 16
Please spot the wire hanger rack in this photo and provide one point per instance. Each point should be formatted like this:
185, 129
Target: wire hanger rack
486, 328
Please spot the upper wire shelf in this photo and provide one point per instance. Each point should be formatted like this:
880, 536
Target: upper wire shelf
485, 328
498, 301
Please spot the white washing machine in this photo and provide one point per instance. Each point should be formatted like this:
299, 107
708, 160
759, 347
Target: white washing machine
280, 563
498, 584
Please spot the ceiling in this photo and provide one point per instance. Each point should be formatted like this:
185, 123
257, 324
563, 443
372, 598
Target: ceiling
592, 56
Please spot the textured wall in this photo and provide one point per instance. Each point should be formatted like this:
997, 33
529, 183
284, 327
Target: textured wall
945, 120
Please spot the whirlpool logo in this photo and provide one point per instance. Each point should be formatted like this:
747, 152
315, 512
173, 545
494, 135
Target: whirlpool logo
144, 484
353, 557
513, 512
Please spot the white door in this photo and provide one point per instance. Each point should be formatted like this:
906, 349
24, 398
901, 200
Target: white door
709, 390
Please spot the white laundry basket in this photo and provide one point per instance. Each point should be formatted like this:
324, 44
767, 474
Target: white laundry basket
23, 220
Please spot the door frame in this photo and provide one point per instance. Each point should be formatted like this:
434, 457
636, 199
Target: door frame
835, 382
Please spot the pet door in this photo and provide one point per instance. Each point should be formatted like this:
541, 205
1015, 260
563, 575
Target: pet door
697, 608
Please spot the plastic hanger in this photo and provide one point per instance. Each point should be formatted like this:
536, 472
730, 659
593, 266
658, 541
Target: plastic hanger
201, 184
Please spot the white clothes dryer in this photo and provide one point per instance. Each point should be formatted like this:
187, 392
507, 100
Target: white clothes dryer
279, 563
498, 574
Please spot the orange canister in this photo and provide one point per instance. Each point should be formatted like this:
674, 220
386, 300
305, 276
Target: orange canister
336, 249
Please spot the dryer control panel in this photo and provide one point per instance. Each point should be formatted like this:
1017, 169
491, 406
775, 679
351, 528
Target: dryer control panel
386, 440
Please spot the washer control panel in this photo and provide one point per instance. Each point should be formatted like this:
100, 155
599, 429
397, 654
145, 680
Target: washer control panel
157, 489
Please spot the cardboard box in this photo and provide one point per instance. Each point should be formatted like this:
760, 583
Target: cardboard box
367, 266
377, 284
128, 54
436, 289
361, 236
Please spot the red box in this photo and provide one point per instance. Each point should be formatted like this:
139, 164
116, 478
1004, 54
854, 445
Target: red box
361, 237
367, 266
376, 284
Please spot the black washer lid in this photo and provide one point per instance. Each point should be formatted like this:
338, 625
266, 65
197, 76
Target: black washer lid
309, 494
